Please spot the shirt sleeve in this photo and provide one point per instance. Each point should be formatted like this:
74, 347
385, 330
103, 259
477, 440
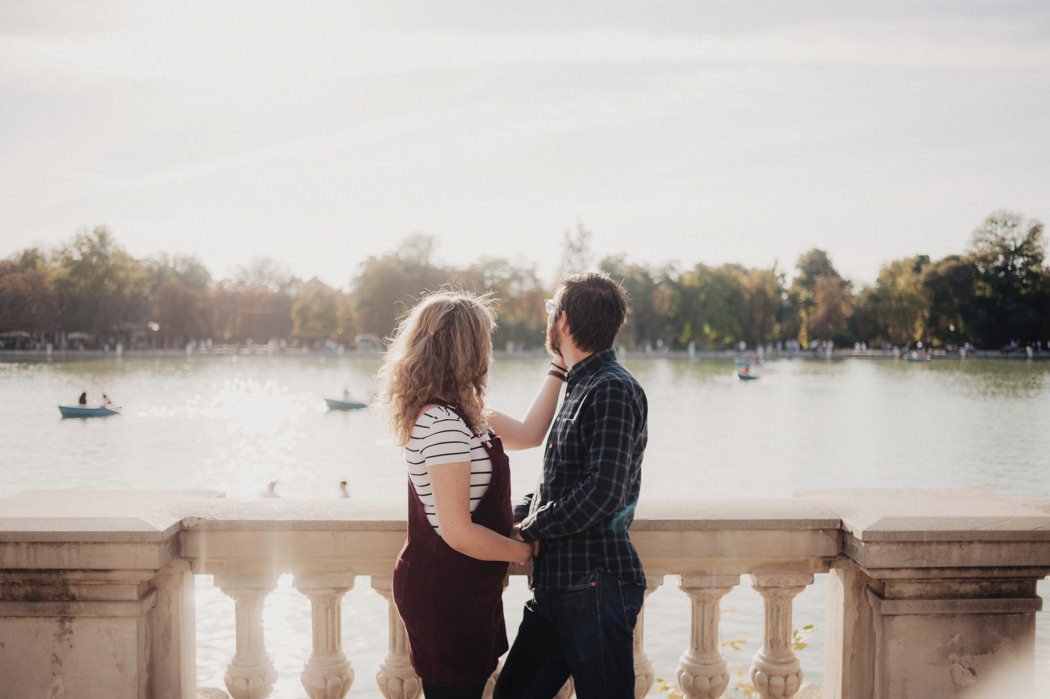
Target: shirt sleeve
445, 441
608, 426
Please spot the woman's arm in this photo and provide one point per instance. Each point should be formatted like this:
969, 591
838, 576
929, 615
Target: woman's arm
451, 486
528, 433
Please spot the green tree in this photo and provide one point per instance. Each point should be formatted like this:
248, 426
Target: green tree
1010, 299
764, 300
99, 285
321, 312
950, 285
708, 304
577, 255
388, 285
519, 294
823, 315
900, 301
646, 321
180, 288
28, 301
831, 310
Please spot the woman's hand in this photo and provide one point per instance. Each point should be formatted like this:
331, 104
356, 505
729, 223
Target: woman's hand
525, 553
530, 431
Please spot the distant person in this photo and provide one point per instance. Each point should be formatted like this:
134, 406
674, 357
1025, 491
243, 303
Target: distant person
346, 394
106, 400
271, 490
83, 398
343, 492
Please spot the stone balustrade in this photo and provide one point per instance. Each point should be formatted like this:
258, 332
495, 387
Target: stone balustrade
931, 594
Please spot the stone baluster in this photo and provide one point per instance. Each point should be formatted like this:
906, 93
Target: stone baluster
775, 671
644, 675
702, 670
327, 674
251, 674
396, 678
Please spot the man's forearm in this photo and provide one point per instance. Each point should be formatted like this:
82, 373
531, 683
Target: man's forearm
589, 504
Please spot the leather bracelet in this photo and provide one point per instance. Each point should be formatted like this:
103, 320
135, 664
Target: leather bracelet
557, 374
559, 368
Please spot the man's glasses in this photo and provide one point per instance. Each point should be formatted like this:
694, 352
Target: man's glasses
550, 306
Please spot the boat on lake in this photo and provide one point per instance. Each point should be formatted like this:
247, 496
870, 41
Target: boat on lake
336, 404
747, 376
88, 410
918, 357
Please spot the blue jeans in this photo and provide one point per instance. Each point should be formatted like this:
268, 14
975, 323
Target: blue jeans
586, 632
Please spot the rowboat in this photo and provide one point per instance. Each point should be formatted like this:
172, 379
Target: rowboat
916, 357
88, 411
746, 377
336, 404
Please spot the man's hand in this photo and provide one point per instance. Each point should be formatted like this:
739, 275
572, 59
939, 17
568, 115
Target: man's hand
515, 534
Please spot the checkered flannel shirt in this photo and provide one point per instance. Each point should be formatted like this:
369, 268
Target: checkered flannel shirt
591, 478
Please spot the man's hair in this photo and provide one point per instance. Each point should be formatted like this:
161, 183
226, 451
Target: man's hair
596, 308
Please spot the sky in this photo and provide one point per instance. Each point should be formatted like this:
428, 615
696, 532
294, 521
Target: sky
319, 134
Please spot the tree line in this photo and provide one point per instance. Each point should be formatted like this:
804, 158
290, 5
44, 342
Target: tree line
994, 293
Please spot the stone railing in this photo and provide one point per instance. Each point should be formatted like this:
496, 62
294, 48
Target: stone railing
931, 594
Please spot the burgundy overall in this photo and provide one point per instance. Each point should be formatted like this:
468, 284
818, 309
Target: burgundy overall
452, 604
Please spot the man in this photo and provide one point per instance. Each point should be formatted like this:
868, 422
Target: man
588, 582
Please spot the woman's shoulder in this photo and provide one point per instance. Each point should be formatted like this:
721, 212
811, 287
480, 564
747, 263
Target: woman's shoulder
433, 415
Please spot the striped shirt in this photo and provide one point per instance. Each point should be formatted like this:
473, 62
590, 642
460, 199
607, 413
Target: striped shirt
592, 476
441, 437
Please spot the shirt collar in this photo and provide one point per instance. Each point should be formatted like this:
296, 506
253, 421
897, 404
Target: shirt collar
591, 364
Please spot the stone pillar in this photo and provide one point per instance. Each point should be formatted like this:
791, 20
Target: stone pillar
775, 671
396, 678
922, 633
644, 676
173, 636
328, 674
849, 645
66, 632
251, 674
702, 671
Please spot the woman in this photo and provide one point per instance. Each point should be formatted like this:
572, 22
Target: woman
448, 579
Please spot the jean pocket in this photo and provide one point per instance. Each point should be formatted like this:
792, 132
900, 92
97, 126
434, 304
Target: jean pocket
631, 597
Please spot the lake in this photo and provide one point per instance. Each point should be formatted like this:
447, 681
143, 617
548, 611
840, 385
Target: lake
234, 423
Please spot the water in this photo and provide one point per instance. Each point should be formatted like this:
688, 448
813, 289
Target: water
235, 423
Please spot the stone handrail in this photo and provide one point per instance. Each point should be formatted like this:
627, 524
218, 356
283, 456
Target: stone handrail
932, 593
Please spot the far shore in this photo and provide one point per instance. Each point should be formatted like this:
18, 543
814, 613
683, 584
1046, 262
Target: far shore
683, 355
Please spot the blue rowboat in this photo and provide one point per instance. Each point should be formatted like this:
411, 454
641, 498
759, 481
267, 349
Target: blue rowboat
746, 377
335, 404
917, 357
88, 411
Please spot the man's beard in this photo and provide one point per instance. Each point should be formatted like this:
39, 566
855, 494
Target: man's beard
553, 341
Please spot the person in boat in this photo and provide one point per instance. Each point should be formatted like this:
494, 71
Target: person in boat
343, 492
346, 394
271, 490
448, 577
105, 400
83, 398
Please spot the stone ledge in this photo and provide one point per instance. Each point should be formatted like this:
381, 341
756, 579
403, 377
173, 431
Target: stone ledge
894, 607
909, 516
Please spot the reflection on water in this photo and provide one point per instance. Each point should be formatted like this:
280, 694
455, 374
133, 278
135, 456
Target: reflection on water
235, 423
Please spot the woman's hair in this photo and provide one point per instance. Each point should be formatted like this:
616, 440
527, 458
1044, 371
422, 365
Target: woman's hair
440, 350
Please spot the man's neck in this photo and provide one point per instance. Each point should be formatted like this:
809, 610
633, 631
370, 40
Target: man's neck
573, 355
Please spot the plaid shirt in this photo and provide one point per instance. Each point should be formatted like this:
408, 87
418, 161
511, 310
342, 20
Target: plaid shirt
592, 473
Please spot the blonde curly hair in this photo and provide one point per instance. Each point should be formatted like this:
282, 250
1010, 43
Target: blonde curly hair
440, 350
